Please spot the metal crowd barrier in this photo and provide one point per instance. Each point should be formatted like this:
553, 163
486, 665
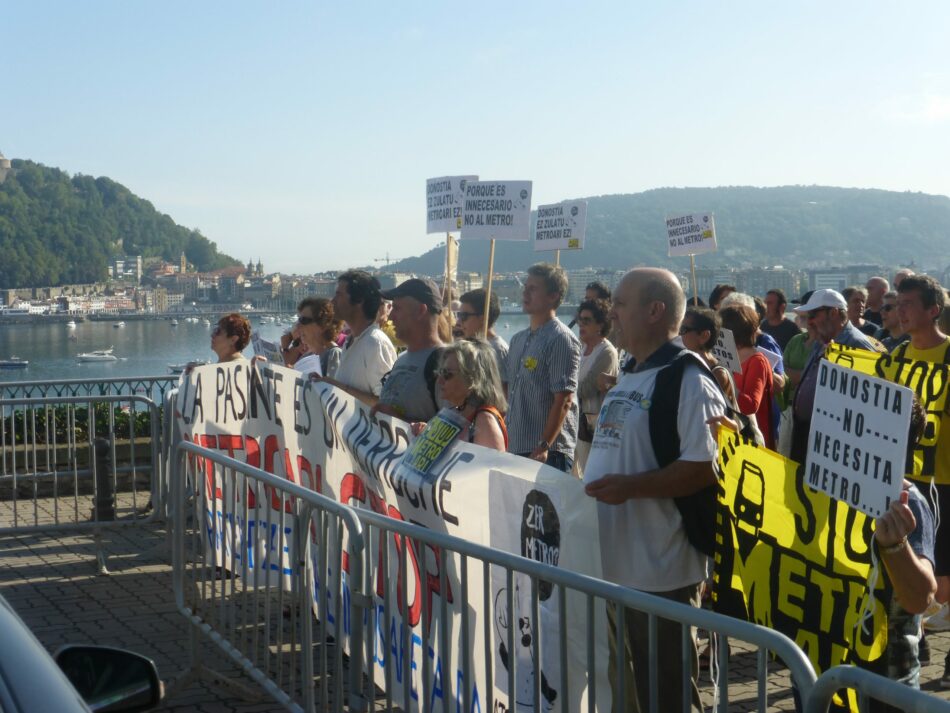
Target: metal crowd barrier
78, 463
254, 594
871, 686
152, 387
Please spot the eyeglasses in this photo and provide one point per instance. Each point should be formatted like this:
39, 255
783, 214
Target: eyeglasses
462, 316
686, 329
446, 374
586, 320
303, 319
888, 308
815, 312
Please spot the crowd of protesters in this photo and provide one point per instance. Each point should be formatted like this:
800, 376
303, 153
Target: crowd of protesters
564, 400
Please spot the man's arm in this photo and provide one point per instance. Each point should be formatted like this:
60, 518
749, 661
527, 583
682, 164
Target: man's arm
679, 478
911, 575
552, 425
365, 396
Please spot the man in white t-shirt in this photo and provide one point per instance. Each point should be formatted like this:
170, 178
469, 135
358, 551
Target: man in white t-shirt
369, 354
643, 542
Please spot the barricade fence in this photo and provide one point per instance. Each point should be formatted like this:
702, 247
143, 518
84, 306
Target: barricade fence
152, 387
259, 569
73, 463
437, 623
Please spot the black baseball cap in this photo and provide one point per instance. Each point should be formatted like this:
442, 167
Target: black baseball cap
420, 289
803, 299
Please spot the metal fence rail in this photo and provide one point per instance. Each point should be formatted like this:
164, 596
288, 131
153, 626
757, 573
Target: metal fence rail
870, 686
246, 582
153, 387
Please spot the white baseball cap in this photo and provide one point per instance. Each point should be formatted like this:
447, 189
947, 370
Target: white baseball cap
822, 298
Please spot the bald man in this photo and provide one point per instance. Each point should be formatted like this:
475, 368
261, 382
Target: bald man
644, 544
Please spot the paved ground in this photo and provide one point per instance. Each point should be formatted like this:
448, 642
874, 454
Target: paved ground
52, 583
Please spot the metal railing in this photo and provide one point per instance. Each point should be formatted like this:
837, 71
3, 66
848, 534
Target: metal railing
153, 387
870, 686
261, 587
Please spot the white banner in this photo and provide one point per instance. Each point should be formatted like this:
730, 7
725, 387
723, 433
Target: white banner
857, 443
444, 197
561, 226
691, 234
726, 352
499, 210
318, 436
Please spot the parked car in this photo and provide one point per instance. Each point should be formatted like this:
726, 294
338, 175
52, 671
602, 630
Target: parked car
87, 678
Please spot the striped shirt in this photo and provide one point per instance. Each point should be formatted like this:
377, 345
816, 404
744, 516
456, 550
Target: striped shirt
541, 363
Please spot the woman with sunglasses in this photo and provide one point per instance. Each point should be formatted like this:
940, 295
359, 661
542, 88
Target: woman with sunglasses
468, 381
318, 330
229, 338
598, 356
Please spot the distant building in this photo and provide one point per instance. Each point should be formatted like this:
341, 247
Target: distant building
5, 167
126, 269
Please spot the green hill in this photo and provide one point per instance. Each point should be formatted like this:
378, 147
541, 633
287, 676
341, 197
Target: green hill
795, 226
56, 229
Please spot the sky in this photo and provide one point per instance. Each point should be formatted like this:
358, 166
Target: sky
302, 133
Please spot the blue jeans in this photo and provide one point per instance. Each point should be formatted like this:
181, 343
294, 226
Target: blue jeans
556, 459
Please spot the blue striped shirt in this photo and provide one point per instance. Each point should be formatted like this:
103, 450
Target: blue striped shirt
540, 364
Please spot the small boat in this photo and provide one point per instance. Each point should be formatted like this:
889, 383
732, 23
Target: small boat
14, 362
118, 325
174, 322
97, 355
71, 324
179, 368
206, 322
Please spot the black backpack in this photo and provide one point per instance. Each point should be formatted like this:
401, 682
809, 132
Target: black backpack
698, 510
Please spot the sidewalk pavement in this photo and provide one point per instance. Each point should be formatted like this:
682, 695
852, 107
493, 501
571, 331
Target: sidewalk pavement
52, 583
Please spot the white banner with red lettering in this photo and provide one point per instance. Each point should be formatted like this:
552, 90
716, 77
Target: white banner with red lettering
319, 437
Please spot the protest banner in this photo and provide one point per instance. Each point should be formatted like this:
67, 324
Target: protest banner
726, 352
561, 226
320, 437
444, 199
691, 234
857, 442
928, 380
496, 210
793, 559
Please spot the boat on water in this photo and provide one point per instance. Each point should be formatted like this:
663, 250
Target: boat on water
179, 368
71, 324
97, 355
174, 322
118, 325
14, 362
206, 322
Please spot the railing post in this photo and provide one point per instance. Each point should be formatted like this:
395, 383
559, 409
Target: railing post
104, 500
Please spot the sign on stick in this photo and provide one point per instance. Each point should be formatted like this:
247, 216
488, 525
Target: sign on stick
561, 226
499, 210
691, 234
444, 197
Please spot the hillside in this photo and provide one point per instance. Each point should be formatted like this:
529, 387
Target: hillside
56, 229
790, 225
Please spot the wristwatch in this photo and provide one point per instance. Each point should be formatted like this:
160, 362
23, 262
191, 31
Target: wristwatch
543, 446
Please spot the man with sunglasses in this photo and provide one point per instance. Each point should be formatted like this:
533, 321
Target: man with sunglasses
890, 334
470, 320
827, 313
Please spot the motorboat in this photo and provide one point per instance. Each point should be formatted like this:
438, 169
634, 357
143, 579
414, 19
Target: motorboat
179, 368
206, 322
174, 323
71, 324
97, 355
118, 325
14, 362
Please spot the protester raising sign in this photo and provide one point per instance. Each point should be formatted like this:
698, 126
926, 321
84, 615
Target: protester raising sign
691, 234
444, 197
561, 226
497, 210
857, 444
793, 559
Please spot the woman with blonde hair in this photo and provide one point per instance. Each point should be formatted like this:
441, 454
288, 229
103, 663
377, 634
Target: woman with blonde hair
468, 381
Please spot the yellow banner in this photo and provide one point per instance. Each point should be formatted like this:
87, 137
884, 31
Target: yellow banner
929, 380
793, 559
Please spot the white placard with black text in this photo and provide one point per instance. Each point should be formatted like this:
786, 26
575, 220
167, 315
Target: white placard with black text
561, 226
444, 198
726, 352
857, 443
691, 234
499, 210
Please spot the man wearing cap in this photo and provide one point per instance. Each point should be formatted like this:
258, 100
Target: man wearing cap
827, 313
541, 374
409, 389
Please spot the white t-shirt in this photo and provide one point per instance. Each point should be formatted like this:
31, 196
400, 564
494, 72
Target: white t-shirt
642, 541
367, 359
